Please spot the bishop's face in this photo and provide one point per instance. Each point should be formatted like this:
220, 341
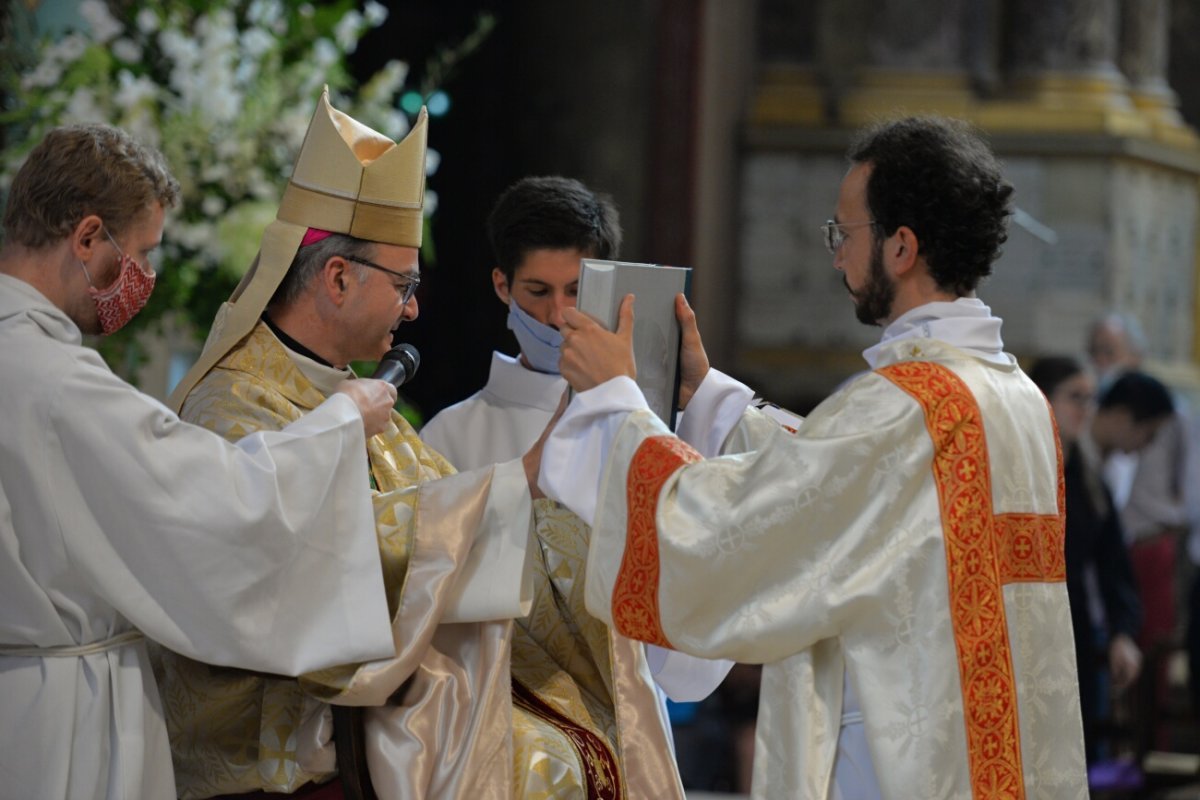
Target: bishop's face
376, 306
860, 255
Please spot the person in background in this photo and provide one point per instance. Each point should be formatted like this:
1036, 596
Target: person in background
1095, 548
540, 230
501, 684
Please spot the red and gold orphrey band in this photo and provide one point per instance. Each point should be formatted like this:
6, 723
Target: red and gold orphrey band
635, 592
984, 551
599, 765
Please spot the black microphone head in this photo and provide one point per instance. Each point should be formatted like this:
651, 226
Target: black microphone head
398, 365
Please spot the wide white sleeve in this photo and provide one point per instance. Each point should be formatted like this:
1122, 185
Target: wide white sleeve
261, 555
732, 557
496, 582
713, 412
574, 456
575, 453
685, 678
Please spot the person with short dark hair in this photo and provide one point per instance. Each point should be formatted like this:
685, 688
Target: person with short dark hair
896, 563
121, 524
1095, 544
540, 230
500, 684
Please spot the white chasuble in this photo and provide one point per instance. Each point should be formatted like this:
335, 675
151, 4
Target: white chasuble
470, 706
117, 521
909, 537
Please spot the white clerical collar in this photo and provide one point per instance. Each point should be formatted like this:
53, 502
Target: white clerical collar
512, 382
965, 323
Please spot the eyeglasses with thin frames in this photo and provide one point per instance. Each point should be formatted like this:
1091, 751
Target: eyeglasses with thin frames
411, 282
835, 233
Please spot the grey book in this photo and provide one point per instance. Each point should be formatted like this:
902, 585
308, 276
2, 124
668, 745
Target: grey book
656, 332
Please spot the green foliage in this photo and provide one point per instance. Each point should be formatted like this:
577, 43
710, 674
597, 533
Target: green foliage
225, 89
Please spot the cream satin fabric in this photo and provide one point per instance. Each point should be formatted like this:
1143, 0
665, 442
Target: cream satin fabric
440, 722
823, 551
258, 386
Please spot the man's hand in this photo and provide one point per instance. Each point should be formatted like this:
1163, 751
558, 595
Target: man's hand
590, 354
1124, 661
693, 361
532, 461
374, 400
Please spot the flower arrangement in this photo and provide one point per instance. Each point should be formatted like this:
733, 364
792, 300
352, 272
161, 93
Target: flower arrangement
225, 89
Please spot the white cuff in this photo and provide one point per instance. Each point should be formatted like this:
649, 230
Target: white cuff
713, 412
575, 454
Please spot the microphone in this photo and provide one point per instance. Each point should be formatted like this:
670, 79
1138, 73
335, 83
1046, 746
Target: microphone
399, 365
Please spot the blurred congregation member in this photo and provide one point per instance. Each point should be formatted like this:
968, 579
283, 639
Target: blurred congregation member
1095, 544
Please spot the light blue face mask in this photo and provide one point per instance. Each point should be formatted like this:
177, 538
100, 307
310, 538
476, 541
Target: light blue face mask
540, 343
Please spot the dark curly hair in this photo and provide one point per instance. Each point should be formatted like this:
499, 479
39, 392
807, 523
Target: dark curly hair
937, 177
555, 213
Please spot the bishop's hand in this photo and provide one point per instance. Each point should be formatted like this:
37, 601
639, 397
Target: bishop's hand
374, 399
592, 355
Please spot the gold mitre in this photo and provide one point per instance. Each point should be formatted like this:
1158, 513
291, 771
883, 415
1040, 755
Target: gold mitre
348, 179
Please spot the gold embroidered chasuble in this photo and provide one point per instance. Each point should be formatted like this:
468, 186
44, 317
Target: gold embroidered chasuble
577, 717
909, 536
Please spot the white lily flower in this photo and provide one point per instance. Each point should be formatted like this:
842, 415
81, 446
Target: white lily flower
104, 27
347, 31
82, 107
325, 53
127, 50
147, 21
375, 13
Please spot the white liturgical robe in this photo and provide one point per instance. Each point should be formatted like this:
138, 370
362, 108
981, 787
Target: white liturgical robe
501, 422
117, 520
908, 538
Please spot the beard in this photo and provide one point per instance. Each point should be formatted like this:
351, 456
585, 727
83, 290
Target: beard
873, 302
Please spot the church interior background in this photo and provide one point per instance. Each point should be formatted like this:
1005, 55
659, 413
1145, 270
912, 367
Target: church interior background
719, 128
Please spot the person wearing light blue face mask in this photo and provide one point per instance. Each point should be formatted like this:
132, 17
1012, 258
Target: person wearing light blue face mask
540, 230
541, 344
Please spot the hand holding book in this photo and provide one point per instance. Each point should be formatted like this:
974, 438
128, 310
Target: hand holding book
591, 354
693, 361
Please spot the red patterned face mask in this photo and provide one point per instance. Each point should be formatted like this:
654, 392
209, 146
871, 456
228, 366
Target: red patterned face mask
127, 295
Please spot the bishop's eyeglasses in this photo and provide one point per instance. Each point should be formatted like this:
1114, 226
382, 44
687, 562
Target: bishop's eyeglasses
407, 289
835, 233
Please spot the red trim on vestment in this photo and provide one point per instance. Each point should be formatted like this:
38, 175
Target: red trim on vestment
635, 592
984, 551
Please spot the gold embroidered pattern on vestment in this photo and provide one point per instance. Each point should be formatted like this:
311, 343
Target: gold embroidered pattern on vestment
599, 764
635, 592
984, 551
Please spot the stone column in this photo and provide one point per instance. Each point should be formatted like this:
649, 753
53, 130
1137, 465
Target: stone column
1063, 70
1144, 49
912, 56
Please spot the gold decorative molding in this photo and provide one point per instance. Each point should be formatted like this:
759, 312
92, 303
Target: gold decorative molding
1045, 103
